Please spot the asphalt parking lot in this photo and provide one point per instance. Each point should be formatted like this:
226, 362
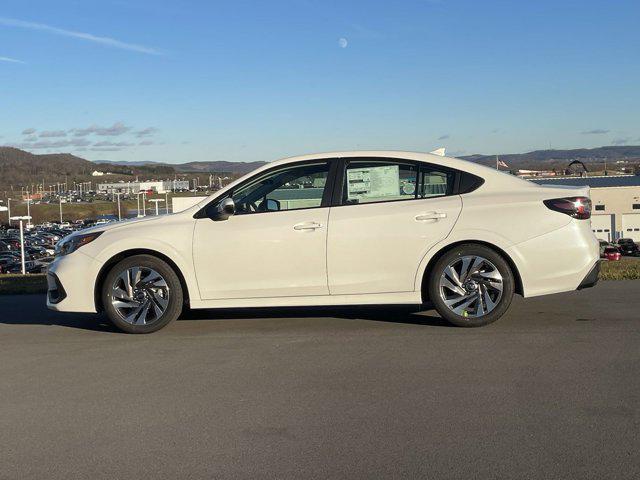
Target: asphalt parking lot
552, 390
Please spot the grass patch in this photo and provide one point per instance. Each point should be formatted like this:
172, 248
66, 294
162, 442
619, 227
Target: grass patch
625, 269
23, 284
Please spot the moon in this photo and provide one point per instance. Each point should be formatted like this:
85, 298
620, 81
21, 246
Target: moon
343, 42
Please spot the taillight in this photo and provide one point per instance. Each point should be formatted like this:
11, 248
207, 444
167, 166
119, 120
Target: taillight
576, 207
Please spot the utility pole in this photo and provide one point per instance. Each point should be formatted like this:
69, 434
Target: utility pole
28, 210
119, 213
156, 201
20, 219
166, 202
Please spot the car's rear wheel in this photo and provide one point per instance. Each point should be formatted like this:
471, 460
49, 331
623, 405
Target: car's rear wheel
471, 285
142, 294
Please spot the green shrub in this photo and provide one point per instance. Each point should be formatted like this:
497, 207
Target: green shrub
626, 269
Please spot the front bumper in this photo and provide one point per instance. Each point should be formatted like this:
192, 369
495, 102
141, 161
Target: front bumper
71, 281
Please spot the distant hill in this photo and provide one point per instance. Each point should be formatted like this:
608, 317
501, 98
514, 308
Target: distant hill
196, 167
20, 167
541, 159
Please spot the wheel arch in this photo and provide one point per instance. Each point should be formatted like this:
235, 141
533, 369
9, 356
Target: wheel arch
106, 267
447, 248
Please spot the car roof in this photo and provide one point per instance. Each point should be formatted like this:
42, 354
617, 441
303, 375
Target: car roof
487, 173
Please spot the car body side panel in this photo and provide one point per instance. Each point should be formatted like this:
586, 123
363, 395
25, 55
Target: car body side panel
557, 261
374, 247
170, 236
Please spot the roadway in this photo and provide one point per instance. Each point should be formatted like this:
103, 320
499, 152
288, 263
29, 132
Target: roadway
552, 390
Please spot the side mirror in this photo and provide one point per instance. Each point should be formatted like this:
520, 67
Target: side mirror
225, 209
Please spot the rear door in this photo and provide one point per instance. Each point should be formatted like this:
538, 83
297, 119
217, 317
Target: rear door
390, 213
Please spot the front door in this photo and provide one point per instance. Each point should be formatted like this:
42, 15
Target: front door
392, 212
275, 244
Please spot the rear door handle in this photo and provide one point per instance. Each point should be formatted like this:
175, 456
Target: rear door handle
307, 226
430, 216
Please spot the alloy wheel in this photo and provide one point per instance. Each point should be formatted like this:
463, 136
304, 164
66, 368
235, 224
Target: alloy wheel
140, 295
471, 286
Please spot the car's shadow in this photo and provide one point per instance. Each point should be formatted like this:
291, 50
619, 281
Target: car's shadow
31, 310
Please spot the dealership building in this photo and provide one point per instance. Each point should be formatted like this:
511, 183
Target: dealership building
616, 204
162, 186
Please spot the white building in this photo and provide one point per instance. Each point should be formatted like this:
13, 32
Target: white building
161, 186
616, 204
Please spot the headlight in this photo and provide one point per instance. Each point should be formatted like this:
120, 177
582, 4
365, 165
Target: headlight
74, 242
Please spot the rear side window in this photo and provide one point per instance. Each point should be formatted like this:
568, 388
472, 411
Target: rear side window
391, 181
469, 183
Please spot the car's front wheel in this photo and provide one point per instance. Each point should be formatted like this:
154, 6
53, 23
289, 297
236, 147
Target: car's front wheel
471, 285
142, 294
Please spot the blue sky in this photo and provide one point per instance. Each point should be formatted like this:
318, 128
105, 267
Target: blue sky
258, 80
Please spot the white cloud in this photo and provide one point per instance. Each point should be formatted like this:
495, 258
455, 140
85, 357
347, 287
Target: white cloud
114, 130
11, 60
620, 141
113, 144
109, 42
53, 133
596, 131
146, 132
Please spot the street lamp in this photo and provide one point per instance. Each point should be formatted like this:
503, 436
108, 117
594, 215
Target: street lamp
29, 212
119, 212
20, 219
156, 201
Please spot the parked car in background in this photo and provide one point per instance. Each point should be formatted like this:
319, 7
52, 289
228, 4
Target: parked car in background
611, 253
603, 244
347, 228
628, 247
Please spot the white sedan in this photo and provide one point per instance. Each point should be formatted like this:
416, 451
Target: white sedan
347, 228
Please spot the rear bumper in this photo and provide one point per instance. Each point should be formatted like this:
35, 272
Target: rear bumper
592, 277
560, 261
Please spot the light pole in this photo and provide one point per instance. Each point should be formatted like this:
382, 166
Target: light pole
9, 209
29, 212
166, 202
60, 200
156, 201
20, 219
119, 213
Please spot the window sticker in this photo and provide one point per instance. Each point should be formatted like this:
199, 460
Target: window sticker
373, 182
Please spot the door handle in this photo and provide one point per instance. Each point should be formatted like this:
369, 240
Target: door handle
430, 216
307, 226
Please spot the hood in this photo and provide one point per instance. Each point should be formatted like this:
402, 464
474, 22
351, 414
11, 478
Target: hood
122, 223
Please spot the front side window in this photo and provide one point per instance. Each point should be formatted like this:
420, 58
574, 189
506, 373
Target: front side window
389, 181
289, 188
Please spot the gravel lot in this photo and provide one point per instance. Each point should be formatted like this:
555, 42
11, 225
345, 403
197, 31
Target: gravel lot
550, 391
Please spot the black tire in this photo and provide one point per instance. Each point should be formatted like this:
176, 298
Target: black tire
456, 254
174, 294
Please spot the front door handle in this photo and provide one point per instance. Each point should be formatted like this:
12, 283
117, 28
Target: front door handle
430, 216
307, 226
